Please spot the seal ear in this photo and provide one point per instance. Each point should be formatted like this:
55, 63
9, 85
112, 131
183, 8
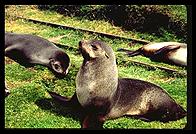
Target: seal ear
107, 55
56, 66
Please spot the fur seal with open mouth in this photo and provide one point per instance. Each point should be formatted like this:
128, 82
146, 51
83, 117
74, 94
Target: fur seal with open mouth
168, 52
28, 50
104, 96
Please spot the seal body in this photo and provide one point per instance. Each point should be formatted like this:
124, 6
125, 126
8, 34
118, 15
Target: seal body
104, 96
144, 100
169, 52
29, 50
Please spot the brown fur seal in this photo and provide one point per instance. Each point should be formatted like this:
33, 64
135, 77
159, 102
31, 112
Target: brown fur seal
93, 81
29, 50
104, 96
169, 52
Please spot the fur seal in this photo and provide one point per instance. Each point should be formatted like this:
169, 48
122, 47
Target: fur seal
28, 50
104, 96
97, 78
168, 52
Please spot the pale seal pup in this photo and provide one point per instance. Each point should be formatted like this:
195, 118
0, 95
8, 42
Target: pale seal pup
168, 52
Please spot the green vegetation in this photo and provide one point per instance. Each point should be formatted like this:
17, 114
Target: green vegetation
142, 18
30, 106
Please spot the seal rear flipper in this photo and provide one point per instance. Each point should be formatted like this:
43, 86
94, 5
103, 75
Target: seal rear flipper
175, 113
163, 114
129, 52
124, 50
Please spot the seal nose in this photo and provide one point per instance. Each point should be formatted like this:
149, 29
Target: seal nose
80, 43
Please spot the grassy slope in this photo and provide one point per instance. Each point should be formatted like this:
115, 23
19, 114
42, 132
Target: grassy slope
29, 106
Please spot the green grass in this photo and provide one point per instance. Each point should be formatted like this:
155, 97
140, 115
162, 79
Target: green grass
30, 106
100, 26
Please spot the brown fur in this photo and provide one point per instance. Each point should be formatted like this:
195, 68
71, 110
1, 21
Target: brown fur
130, 97
97, 78
168, 52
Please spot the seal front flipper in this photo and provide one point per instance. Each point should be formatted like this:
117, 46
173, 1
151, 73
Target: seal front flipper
58, 97
73, 101
93, 121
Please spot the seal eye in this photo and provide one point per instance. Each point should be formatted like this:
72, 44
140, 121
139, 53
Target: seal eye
94, 47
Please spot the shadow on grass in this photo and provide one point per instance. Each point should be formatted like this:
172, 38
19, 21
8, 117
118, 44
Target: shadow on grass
60, 110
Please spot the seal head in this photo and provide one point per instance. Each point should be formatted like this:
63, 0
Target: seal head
60, 63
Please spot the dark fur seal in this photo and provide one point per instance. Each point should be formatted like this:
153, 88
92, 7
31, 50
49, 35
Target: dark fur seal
169, 52
103, 96
29, 50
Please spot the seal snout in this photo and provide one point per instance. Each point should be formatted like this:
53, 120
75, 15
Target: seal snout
82, 43
81, 46
85, 50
